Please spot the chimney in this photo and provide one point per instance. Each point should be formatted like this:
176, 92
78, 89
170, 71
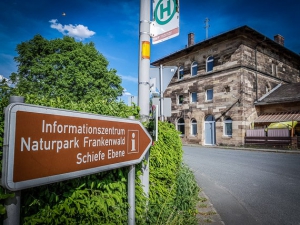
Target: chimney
279, 39
191, 39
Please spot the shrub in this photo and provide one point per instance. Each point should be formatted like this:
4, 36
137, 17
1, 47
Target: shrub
102, 198
173, 189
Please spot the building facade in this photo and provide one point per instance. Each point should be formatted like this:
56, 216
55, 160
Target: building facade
281, 105
219, 80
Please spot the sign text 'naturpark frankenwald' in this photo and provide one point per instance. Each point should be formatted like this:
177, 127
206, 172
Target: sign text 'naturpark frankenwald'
45, 145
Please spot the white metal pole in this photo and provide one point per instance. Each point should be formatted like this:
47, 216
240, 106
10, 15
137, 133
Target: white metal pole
161, 93
144, 63
131, 192
144, 86
131, 195
13, 205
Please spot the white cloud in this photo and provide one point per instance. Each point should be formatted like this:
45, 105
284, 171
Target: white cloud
2, 77
7, 80
77, 31
130, 78
126, 93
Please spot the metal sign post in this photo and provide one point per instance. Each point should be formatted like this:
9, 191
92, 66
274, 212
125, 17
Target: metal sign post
38, 140
162, 76
144, 60
161, 94
13, 205
144, 82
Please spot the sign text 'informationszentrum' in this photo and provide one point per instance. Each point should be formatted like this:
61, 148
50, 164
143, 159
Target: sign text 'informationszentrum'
46, 145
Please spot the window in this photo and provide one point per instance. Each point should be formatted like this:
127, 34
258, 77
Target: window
180, 99
180, 73
209, 118
209, 64
194, 127
194, 97
180, 126
274, 69
268, 88
194, 68
228, 127
209, 94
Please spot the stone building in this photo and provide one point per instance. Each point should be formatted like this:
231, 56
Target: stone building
280, 105
219, 80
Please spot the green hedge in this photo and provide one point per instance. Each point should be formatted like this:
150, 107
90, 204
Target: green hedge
173, 189
102, 198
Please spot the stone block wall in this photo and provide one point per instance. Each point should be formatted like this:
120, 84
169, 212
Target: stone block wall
233, 80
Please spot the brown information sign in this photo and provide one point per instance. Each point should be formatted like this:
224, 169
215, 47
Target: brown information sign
45, 145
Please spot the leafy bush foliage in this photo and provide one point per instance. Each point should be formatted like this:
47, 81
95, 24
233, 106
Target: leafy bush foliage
95, 199
173, 189
63, 73
102, 198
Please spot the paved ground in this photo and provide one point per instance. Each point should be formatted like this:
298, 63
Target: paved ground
207, 212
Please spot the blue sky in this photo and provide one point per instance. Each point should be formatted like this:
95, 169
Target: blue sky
113, 26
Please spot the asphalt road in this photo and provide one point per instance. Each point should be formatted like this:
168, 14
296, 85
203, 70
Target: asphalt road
248, 187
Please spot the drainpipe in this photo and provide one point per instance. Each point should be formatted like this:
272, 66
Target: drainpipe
256, 73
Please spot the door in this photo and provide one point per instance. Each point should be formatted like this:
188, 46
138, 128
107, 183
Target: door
209, 130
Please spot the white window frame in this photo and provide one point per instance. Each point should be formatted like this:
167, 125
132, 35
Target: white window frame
210, 59
180, 70
178, 100
194, 64
181, 124
194, 126
227, 121
191, 97
206, 95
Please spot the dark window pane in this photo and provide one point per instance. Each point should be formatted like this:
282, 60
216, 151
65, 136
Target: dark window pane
194, 127
209, 94
180, 75
228, 128
210, 118
181, 128
210, 64
194, 69
180, 99
180, 125
194, 97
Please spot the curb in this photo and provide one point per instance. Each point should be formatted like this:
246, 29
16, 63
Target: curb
207, 214
247, 149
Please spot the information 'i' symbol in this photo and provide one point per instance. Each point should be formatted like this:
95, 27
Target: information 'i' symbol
133, 142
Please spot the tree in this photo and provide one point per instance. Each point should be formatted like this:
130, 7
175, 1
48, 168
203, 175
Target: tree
64, 68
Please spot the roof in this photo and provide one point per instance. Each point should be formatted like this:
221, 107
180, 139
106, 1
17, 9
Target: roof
278, 117
282, 93
244, 31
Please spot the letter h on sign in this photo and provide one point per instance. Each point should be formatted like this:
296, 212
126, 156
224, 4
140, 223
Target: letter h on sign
133, 141
167, 9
